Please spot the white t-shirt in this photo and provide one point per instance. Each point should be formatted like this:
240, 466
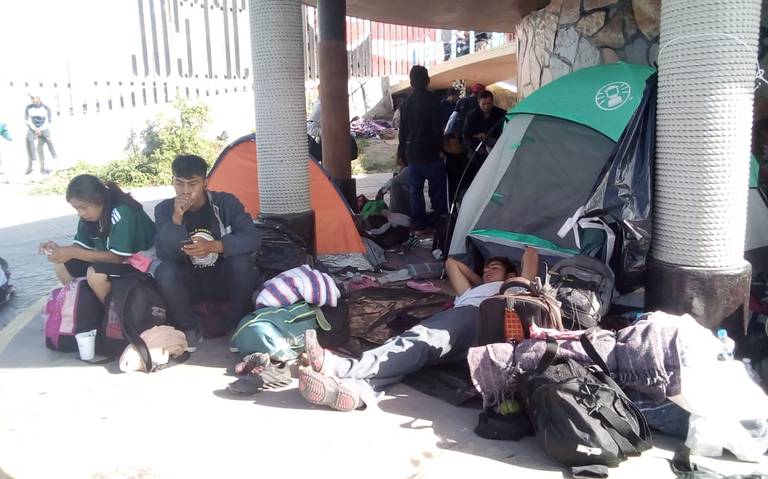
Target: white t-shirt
475, 296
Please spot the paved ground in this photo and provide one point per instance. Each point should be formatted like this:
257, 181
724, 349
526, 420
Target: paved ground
62, 418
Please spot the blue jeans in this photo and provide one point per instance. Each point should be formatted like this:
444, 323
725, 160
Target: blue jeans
434, 173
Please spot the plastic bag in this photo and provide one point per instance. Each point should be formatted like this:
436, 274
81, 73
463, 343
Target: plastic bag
723, 399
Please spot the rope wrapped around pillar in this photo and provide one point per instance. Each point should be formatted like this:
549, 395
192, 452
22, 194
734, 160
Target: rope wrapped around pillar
704, 125
707, 66
278, 81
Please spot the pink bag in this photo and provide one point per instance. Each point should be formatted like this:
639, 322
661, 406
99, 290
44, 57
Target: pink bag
70, 309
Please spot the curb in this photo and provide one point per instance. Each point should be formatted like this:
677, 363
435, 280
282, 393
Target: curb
18, 323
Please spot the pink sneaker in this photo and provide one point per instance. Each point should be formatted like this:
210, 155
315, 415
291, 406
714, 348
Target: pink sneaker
327, 391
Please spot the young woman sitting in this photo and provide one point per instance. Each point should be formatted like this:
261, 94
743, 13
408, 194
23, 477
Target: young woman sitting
112, 227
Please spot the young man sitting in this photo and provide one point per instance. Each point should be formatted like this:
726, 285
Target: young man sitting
340, 383
204, 241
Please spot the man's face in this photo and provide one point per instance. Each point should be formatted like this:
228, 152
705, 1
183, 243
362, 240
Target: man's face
494, 271
36, 100
192, 189
485, 105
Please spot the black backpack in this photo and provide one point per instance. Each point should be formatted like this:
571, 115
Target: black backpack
338, 319
580, 415
281, 249
584, 288
133, 306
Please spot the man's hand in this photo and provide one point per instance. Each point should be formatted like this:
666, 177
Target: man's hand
37, 132
202, 247
180, 206
60, 254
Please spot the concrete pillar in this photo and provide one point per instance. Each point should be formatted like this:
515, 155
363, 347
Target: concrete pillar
334, 101
704, 111
277, 51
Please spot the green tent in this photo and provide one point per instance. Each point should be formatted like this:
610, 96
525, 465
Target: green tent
547, 161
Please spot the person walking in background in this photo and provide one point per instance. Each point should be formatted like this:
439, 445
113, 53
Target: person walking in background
37, 117
421, 145
5, 134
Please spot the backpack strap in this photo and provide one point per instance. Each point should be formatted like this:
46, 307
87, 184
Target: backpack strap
125, 286
589, 348
516, 282
549, 356
630, 443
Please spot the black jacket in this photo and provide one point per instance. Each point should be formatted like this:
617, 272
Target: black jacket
238, 234
477, 123
421, 131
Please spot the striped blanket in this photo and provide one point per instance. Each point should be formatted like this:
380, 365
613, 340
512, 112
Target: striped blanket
298, 284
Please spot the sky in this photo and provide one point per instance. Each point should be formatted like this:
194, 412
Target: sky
65, 32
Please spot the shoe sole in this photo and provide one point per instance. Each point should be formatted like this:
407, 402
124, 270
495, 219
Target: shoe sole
325, 391
315, 352
192, 349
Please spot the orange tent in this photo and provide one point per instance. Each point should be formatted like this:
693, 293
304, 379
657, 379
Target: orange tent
235, 172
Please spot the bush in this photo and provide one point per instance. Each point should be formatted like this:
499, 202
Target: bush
149, 153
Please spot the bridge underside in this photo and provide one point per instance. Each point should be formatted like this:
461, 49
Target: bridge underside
486, 15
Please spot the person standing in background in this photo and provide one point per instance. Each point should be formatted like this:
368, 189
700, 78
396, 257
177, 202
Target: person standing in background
421, 147
37, 117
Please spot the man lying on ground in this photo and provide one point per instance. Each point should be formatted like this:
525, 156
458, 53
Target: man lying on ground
341, 383
204, 240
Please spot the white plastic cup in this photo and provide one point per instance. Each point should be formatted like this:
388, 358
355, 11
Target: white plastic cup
86, 344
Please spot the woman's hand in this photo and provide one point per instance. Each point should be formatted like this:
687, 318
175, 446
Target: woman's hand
60, 254
47, 247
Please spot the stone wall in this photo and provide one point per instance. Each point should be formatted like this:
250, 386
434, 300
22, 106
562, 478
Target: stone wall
570, 34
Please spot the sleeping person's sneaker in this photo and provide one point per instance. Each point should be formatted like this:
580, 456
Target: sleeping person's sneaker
315, 352
324, 390
194, 338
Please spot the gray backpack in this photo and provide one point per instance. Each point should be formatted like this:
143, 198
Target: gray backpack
584, 288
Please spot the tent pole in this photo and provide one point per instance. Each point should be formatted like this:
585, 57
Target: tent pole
277, 48
703, 131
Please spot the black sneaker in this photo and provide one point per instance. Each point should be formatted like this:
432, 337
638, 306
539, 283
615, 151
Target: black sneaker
194, 338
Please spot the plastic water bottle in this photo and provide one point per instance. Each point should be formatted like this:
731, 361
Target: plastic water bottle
728, 345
